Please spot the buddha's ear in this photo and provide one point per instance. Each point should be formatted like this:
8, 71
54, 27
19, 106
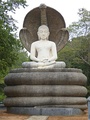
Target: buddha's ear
48, 33
38, 35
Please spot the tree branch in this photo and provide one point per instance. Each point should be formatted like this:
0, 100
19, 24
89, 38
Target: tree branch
84, 60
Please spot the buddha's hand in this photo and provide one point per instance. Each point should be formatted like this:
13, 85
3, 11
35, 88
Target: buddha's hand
44, 61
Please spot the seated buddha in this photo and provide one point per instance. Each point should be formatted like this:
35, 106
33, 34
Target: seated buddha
43, 52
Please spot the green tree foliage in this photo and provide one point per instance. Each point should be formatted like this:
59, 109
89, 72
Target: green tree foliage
76, 54
22, 57
7, 6
81, 31
9, 45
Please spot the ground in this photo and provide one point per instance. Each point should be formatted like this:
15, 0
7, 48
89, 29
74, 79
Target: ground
7, 116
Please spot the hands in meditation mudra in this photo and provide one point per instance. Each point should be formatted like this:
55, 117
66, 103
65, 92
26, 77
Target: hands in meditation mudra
43, 52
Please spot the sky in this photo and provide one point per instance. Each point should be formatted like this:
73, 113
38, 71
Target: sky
67, 8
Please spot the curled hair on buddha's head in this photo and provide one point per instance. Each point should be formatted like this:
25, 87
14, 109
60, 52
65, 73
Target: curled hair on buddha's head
43, 26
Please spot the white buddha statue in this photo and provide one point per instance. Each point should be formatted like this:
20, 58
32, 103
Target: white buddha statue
43, 52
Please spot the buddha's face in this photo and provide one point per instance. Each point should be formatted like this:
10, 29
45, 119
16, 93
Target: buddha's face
43, 32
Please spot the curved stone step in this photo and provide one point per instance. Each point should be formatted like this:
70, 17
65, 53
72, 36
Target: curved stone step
79, 102
46, 78
20, 70
45, 90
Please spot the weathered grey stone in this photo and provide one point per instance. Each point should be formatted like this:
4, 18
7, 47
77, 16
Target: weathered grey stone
24, 110
21, 70
44, 78
54, 87
45, 90
45, 111
61, 111
41, 101
79, 106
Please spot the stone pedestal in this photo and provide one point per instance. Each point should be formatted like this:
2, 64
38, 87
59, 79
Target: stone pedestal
50, 111
45, 88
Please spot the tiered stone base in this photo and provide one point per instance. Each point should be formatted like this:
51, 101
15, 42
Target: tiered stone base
51, 111
54, 89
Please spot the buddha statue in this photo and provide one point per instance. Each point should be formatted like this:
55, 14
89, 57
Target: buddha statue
44, 86
43, 37
43, 52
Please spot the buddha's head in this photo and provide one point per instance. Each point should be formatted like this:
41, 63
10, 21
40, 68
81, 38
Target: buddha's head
43, 32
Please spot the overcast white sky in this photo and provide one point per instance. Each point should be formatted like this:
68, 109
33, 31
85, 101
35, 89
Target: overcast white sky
68, 9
